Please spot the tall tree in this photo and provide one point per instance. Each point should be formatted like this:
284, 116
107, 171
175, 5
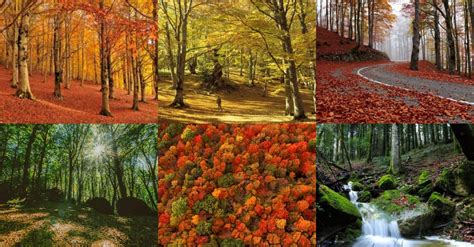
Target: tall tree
395, 163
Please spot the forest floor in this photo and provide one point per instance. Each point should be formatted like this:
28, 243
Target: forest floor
63, 224
246, 104
80, 104
383, 91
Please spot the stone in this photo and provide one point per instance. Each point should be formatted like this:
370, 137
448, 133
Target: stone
131, 206
100, 205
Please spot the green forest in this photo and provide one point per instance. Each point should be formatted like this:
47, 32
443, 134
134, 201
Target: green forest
395, 185
78, 184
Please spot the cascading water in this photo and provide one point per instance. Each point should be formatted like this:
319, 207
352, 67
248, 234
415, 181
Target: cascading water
381, 230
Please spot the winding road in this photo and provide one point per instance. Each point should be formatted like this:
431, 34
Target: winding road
380, 74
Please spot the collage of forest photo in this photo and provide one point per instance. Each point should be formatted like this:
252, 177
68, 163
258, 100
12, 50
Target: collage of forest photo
235, 123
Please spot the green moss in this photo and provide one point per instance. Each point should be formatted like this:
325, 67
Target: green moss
209, 204
387, 182
357, 186
179, 207
203, 228
444, 179
231, 242
364, 196
337, 201
395, 201
443, 206
226, 180
424, 178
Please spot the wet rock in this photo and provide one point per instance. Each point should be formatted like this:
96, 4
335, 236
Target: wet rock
131, 206
416, 221
364, 196
101, 205
457, 181
443, 207
387, 182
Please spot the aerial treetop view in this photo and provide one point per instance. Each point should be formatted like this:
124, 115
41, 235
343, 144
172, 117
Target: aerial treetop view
78, 185
237, 61
64, 61
395, 61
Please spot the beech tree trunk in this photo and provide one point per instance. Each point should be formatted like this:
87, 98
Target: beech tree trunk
451, 56
58, 70
395, 165
437, 37
104, 80
24, 90
416, 38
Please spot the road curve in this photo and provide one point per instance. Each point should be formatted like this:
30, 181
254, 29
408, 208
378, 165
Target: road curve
448, 90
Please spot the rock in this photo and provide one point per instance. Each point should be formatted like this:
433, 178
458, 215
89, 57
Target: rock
457, 180
101, 205
395, 201
357, 186
424, 186
337, 202
4, 193
417, 221
335, 211
364, 196
387, 182
131, 206
55, 195
443, 207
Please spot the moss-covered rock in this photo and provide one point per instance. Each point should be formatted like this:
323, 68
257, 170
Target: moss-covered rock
337, 201
457, 180
364, 196
417, 222
443, 207
424, 178
387, 182
395, 201
357, 186
351, 233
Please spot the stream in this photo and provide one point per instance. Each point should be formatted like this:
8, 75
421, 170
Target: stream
381, 230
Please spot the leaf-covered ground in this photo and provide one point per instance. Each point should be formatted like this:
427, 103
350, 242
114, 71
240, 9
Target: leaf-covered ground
344, 96
244, 105
236, 185
80, 104
60, 224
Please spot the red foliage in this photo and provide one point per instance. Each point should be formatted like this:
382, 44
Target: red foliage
79, 105
345, 97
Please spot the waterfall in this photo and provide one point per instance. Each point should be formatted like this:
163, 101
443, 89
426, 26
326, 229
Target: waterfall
381, 230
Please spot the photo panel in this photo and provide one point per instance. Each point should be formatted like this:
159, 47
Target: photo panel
394, 62
78, 185
237, 61
237, 185
77, 62
395, 184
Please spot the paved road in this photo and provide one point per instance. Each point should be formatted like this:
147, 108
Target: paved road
454, 91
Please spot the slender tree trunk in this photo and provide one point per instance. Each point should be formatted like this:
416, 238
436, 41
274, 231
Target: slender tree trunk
58, 68
26, 164
104, 50
24, 90
451, 57
437, 37
395, 164
416, 38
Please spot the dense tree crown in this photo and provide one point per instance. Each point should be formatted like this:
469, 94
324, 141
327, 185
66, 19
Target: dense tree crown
79, 162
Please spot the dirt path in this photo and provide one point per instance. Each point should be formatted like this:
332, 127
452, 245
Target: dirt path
380, 74
81, 104
59, 224
344, 96
244, 105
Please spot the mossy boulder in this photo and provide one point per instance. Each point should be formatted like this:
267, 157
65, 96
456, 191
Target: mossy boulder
357, 186
364, 196
457, 180
418, 221
337, 202
351, 233
395, 201
387, 182
443, 207
424, 186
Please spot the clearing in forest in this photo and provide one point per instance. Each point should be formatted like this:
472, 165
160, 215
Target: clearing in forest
68, 185
248, 61
410, 65
64, 224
